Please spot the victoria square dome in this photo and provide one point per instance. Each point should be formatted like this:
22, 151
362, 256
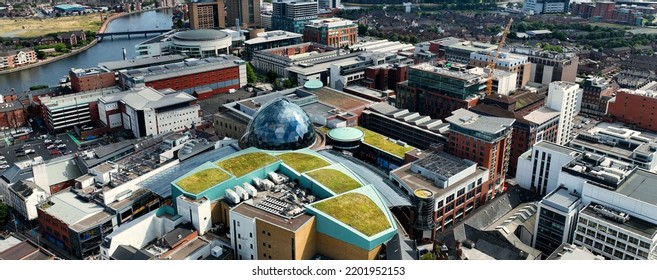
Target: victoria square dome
280, 125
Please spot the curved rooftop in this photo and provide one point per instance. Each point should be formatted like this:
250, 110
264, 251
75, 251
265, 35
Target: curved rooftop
200, 35
345, 134
280, 125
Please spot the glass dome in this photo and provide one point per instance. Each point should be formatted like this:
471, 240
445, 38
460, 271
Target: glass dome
280, 125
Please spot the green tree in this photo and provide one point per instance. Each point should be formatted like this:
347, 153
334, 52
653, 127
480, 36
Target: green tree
362, 29
250, 74
41, 55
4, 214
287, 83
271, 76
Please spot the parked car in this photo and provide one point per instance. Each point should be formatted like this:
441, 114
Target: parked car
3, 162
59, 141
50, 147
47, 141
29, 151
60, 146
4, 166
2, 157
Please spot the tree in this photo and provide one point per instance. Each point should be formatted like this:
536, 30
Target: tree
250, 74
362, 29
41, 55
4, 214
287, 83
271, 76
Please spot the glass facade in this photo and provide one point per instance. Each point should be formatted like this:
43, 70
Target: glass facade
280, 125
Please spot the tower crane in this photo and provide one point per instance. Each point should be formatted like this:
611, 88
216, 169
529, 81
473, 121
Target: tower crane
493, 62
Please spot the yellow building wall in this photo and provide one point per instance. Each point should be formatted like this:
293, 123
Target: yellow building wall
340, 250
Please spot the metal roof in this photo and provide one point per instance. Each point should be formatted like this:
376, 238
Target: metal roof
469, 120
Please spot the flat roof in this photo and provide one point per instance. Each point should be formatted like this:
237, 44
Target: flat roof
290, 224
640, 185
69, 209
416, 181
473, 121
554, 147
444, 164
141, 62
188, 248
634, 224
188, 67
346, 134
542, 115
570, 252
560, 198
147, 97
275, 35
337, 99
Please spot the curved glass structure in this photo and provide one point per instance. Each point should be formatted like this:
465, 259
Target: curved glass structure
280, 125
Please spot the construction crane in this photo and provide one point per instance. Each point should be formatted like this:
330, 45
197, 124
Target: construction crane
493, 62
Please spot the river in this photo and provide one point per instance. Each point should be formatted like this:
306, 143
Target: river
107, 50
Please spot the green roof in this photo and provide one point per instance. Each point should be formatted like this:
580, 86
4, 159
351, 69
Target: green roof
335, 180
302, 162
379, 141
357, 211
202, 180
244, 164
346, 134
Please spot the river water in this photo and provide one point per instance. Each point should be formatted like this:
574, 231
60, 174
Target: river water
107, 50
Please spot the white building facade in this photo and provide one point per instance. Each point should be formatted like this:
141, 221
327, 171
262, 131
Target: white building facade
564, 97
539, 168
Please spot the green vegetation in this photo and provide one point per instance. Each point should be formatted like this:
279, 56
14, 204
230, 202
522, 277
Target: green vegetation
377, 140
554, 48
202, 180
335, 180
242, 165
4, 215
38, 87
302, 162
428, 256
35, 27
250, 74
357, 211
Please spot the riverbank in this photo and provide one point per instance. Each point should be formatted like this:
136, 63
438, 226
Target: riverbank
102, 29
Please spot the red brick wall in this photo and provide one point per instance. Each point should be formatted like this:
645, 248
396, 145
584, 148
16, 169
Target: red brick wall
52, 226
635, 110
199, 80
92, 82
15, 118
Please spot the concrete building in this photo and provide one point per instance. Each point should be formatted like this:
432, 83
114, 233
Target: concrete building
484, 140
597, 92
545, 6
56, 174
200, 43
91, 79
147, 111
557, 216
293, 16
571, 252
15, 58
202, 78
549, 66
565, 98
509, 62
279, 59
270, 40
412, 128
539, 168
334, 32
438, 91
73, 225
460, 52
453, 187
246, 12
262, 228
24, 198
636, 107
206, 14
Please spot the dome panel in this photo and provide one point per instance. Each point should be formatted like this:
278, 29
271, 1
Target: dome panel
280, 125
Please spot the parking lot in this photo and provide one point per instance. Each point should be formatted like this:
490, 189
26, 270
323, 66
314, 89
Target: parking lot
14, 153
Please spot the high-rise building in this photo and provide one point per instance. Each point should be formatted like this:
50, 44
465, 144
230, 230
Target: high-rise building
207, 14
557, 216
539, 168
334, 32
510, 62
548, 66
566, 98
596, 96
329, 4
546, 6
247, 12
484, 140
293, 16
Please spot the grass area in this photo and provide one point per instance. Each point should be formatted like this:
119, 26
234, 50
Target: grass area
377, 140
335, 180
35, 27
612, 25
241, 165
356, 210
202, 180
302, 162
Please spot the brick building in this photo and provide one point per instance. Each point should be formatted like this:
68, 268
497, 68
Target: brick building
12, 114
385, 77
90, 79
10, 58
596, 96
207, 14
334, 32
484, 140
636, 108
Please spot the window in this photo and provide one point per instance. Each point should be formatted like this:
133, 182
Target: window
450, 198
634, 240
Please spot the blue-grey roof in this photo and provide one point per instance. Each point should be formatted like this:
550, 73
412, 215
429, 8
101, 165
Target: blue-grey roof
561, 199
200, 35
474, 121
160, 183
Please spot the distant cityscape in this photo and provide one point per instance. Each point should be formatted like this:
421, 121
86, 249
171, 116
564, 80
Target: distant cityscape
333, 130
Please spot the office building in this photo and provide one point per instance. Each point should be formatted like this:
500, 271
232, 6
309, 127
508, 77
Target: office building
509, 62
205, 14
452, 187
147, 111
278, 59
461, 52
484, 140
557, 216
546, 6
202, 78
597, 92
438, 91
636, 107
385, 77
548, 66
539, 168
91, 79
246, 12
565, 98
329, 4
334, 32
271, 39
293, 16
